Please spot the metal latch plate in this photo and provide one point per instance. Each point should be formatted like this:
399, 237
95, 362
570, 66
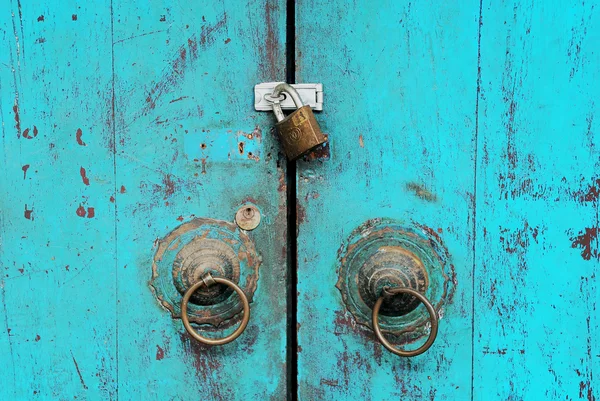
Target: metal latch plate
311, 95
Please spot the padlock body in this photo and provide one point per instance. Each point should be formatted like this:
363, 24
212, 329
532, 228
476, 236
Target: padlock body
299, 133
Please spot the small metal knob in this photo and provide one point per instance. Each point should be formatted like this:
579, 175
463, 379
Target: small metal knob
208, 281
388, 292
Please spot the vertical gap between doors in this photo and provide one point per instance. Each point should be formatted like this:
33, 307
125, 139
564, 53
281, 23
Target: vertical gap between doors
292, 254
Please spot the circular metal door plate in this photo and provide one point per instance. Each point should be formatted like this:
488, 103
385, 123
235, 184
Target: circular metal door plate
196, 248
384, 252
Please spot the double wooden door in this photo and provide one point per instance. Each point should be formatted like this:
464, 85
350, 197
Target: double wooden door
470, 125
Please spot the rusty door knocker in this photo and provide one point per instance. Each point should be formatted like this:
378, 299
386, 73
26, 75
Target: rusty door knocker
201, 266
390, 292
208, 281
387, 268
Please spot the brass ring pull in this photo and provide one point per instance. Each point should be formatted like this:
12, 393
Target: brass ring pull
432, 315
209, 281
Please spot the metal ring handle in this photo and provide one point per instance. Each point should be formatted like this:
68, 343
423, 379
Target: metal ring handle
432, 313
208, 281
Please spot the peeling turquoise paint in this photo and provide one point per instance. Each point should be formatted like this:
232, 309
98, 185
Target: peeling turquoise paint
491, 110
123, 119
108, 104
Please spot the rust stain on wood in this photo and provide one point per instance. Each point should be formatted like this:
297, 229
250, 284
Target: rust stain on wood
300, 213
330, 382
84, 177
589, 194
28, 213
206, 362
421, 192
78, 135
344, 323
518, 240
587, 241
27, 135
82, 212
160, 353
25, 168
271, 51
17, 118
78, 372
185, 57
321, 153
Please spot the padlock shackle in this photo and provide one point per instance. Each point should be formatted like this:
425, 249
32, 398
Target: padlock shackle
289, 89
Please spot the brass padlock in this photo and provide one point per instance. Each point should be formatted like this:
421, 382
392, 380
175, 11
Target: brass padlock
299, 132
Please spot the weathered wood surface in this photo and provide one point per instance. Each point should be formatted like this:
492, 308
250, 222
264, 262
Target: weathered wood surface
492, 109
400, 81
59, 314
478, 120
105, 107
538, 171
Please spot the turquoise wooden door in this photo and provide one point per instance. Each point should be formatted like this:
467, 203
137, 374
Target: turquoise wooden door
472, 125
122, 121
463, 161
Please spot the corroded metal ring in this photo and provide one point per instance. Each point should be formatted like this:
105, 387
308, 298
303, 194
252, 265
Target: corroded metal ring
209, 281
432, 314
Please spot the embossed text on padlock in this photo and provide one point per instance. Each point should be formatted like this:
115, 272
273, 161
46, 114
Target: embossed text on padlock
299, 132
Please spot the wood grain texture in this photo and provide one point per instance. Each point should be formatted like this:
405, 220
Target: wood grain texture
189, 144
143, 119
59, 318
400, 86
536, 324
417, 93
